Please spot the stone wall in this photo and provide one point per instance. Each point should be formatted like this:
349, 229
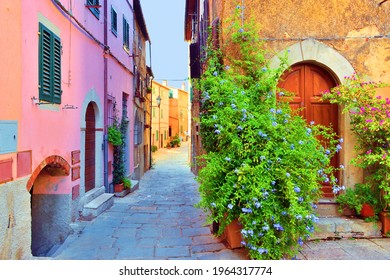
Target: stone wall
15, 220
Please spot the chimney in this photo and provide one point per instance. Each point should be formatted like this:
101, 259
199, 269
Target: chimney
165, 83
183, 86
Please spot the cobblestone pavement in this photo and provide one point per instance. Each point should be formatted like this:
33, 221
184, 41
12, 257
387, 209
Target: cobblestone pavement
157, 221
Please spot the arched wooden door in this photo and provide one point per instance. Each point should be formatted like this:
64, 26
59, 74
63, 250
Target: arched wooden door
308, 81
90, 143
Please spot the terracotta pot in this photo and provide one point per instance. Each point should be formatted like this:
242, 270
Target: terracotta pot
385, 219
232, 234
367, 211
119, 187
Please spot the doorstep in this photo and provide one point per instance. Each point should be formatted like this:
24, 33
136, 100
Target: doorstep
346, 227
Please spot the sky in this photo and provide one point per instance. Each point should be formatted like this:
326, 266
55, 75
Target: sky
169, 52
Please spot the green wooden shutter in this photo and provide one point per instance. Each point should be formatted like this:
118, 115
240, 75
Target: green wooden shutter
49, 66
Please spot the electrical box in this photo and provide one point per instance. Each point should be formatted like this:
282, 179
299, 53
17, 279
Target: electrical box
8, 136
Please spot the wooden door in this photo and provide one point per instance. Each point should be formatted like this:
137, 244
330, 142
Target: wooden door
308, 81
90, 143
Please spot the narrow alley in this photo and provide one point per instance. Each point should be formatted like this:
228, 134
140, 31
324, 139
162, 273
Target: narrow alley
157, 221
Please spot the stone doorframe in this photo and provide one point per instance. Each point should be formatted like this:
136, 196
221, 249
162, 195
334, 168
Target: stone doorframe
92, 97
313, 51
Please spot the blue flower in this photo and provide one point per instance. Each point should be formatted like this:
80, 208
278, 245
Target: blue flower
262, 158
279, 111
243, 110
246, 210
213, 204
262, 251
288, 175
257, 205
341, 140
300, 199
241, 30
298, 217
239, 127
215, 73
301, 142
338, 147
265, 194
273, 183
278, 227
221, 103
297, 189
300, 242
312, 122
217, 131
292, 147
227, 67
308, 131
227, 158
230, 206
265, 228
281, 93
327, 152
284, 213
342, 166
274, 123
261, 134
238, 7
272, 110
314, 206
233, 106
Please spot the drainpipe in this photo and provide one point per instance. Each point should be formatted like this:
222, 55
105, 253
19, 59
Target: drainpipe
151, 108
105, 135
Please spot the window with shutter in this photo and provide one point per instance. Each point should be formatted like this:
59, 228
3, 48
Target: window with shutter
126, 34
93, 6
114, 21
49, 66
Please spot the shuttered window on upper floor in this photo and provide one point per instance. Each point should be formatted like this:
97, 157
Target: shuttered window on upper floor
49, 66
114, 22
126, 34
93, 6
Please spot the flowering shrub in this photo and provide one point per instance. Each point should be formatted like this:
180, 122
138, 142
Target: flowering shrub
264, 164
370, 122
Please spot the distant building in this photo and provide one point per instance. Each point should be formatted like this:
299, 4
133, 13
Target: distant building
178, 113
160, 115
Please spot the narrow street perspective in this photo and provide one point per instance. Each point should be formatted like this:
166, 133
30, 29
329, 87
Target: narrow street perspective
157, 221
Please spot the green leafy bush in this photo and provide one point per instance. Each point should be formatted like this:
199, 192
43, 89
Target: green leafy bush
264, 164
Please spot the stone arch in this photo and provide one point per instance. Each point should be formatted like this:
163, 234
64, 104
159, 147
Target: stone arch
315, 51
56, 165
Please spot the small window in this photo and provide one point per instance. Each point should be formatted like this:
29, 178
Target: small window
126, 35
49, 66
93, 6
114, 22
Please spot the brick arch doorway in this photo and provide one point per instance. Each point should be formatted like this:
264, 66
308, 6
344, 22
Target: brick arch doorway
308, 80
50, 213
90, 145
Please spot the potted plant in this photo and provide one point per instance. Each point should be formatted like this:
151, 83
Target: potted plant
363, 199
175, 142
126, 183
149, 90
263, 163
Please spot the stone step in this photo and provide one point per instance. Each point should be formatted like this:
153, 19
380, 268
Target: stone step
92, 194
346, 227
98, 205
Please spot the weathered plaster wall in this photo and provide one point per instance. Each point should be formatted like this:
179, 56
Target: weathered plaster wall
15, 221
